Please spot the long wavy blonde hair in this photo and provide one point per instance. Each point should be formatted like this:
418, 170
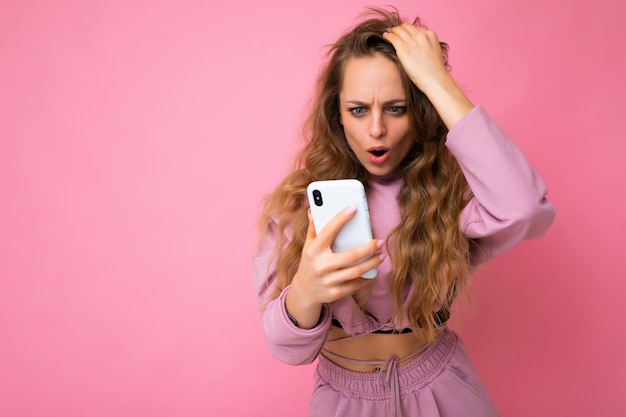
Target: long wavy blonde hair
429, 250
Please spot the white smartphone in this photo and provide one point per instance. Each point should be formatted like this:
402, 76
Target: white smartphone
327, 198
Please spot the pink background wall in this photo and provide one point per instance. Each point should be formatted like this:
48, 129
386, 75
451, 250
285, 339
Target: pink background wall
137, 137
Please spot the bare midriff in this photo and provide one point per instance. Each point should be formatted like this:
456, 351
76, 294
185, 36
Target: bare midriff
372, 347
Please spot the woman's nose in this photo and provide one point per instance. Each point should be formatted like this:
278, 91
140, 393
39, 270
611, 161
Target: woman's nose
377, 125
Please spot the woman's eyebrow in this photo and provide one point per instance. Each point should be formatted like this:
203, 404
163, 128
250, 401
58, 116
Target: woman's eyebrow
386, 103
395, 101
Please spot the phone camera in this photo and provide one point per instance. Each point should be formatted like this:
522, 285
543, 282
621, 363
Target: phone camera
317, 198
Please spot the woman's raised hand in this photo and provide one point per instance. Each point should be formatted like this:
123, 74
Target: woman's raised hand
324, 276
420, 54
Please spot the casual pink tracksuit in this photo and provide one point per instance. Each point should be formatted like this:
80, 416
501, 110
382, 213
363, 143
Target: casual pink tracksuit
508, 206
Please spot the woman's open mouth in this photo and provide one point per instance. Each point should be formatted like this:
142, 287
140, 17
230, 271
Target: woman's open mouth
378, 155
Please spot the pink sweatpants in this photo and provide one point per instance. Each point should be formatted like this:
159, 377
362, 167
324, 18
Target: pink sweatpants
440, 382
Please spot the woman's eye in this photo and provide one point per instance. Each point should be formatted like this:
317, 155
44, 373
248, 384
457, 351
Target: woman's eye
357, 111
397, 109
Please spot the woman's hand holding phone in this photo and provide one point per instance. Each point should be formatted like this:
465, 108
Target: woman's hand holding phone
324, 276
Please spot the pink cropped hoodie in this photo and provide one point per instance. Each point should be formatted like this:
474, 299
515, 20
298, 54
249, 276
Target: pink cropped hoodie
509, 205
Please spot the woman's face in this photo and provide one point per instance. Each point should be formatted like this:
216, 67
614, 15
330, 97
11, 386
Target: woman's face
372, 103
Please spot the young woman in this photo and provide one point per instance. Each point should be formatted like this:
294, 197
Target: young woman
446, 189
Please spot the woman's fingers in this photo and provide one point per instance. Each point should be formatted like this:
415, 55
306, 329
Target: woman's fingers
350, 287
356, 270
408, 34
419, 52
351, 263
328, 234
359, 253
327, 276
405, 32
310, 231
346, 281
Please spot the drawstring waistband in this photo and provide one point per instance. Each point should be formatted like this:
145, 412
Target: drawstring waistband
394, 386
391, 378
388, 371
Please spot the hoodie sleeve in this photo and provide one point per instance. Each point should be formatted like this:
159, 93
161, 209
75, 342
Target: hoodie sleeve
286, 342
509, 201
